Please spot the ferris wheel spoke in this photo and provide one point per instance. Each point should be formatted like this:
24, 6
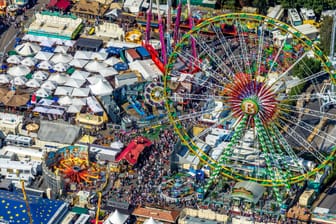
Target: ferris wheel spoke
277, 55
283, 142
285, 73
260, 49
305, 96
268, 153
302, 141
197, 97
191, 115
217, 76
214, 57
307, 111
227, 49
311, 129
243, 48
227, 152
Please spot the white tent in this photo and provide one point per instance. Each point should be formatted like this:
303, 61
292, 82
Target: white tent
40, 75
78, 63
28, 37
27, 49
79, 101
106, 72
95, 66
4, 78
80, 92
47, 42
61, 67
42, 93
29, 61
86, 55
100, 56
151, 221
112, 61
33, 83
50, 85
80, 74
74, 109
45, 65
101, 88
20, 80
63, 91
61, 58
44, 56
69, 43
65, 100
18, 70
61, 49
76, 83
14, 59
59, 78
94, 79
116, 218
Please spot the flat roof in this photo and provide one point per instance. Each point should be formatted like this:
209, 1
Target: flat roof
89, 43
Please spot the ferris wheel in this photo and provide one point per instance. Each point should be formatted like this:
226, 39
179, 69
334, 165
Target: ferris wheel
243, 94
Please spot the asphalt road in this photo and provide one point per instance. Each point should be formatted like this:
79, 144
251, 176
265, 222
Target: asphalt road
7, 38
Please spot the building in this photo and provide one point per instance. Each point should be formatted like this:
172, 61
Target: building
125, 79
110, 30
199, 216
162, 215
10, 123
57, 25
18, 140
276, 12
132, 55
89, 9
147, 68
19, 170
23, 153
87, 44
42, 210
54, 135
294, 17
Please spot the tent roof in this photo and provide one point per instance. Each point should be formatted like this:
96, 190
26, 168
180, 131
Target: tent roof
61, 67
79, 101
41, 92
61, 58
65, 100
62, 4
150, 221
46, 65
101, 88
4, 78
76, 83
112, 61
43, 55
40, 75
95, 66
20, 80
33, 83
61, 49
19, 70
29, 61
117, 218
80, 92
27, 49
100, 56
94, 79
59, 78
63, 91
78, 63
14, 59
80, 74
74, 108
49, 85
106, 72
86, 55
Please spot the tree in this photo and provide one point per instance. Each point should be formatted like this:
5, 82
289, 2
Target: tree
325, 32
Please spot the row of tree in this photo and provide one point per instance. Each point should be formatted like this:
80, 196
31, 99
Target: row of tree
317, 5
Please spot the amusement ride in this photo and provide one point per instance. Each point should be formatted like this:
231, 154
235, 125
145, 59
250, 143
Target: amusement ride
230, 75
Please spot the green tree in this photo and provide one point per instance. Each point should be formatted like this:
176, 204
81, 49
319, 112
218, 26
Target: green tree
325, 32
261, 5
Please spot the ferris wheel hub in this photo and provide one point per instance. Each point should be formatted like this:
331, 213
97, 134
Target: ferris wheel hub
250, 106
